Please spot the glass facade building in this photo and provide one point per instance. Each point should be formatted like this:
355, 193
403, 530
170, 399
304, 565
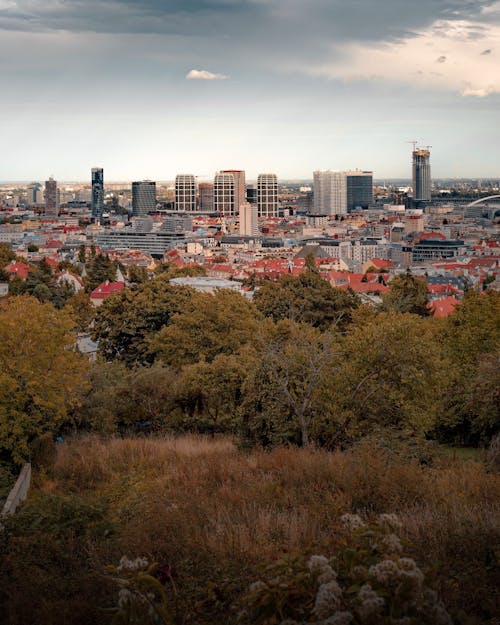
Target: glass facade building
143, 197
421, 176
97, 193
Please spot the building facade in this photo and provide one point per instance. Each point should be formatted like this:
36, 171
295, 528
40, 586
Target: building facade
143, 197
185, 193
249, 222
51, 198
224, 194
359, 189
206, 197
239, 187
330, 192
421, 176
97, 178
267, 195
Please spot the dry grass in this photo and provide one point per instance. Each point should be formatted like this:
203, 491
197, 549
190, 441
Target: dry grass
215, 513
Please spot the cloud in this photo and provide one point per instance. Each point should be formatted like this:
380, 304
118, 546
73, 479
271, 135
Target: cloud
486, 52
203, 74
465, 68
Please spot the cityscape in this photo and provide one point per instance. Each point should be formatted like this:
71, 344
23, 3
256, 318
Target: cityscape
249, 312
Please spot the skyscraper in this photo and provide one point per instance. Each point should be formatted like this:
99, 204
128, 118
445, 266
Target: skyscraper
51, 203
185, 192
339, 192
224, 194
330, 192
239, 187
267, 195
143, 197
421, 176
206, 197
97, 193
249, 223
359, 189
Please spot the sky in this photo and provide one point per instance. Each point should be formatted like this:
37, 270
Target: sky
152, 88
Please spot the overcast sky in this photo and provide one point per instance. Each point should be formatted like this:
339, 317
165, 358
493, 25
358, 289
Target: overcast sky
151, 88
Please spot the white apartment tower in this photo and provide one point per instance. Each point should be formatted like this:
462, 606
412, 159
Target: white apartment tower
185, 193
267, 195
249, 221
224, 194
330, 192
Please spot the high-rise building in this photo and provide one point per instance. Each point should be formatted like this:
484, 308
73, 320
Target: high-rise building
267, 195
143, 197
249, 222
339, 192
51, 198
185, 192
252, 193
97, 193
421, 176
239, 187
206, 197
359, 189
224, 194
330, 192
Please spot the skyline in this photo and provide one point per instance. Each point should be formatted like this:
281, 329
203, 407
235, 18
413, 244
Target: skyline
151, 89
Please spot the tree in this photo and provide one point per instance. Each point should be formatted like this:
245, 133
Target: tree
207, 325
6, 255
407, 295
137, 275
285, 392
306, 298
40, 372
99, 269
392, 374
127, 322
81, 310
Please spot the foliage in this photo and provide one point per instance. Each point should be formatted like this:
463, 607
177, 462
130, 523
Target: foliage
81, 310
39, 372
126, 323
6, 255
306, 298
367, 581
99, 269
408, 294
137, 275
171, 270
205, 326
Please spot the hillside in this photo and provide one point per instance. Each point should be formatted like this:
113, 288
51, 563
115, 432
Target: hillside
213, 518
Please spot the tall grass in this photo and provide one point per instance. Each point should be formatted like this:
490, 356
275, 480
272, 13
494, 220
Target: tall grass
217, 515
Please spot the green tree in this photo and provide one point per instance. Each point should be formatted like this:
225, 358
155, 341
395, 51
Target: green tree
137, 275
306, 298
81, 310
407, 295
207, 325
127, 322
40, 372
99, 269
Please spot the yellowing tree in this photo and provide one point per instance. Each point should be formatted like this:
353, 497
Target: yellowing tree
40, 372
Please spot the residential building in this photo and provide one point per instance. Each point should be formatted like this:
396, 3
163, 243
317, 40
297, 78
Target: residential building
239, 187
143, 197
267, 195
340, 192
185, 193
224, 194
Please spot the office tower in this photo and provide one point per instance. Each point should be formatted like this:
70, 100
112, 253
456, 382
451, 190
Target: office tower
239, 187
51, 198
224, 194
206, 197
143, 197
359, 189
185, 192
421, 175
252, 193
97, 193
339, 192
267, 195
249, 223
330, 192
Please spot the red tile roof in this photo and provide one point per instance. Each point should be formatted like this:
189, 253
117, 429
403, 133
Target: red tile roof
106, 289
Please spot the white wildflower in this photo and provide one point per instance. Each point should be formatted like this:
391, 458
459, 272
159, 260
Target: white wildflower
390, 521
257, 586
317, 564
339, 618
366, 592
124, 598
352, 521
385, 571
390, 544
371, 603
327, 600
328, 575
132, 565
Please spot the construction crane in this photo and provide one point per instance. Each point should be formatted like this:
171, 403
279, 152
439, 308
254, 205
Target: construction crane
414, 144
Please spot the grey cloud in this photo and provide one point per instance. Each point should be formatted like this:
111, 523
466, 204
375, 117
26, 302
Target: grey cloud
486, 52
441, 59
